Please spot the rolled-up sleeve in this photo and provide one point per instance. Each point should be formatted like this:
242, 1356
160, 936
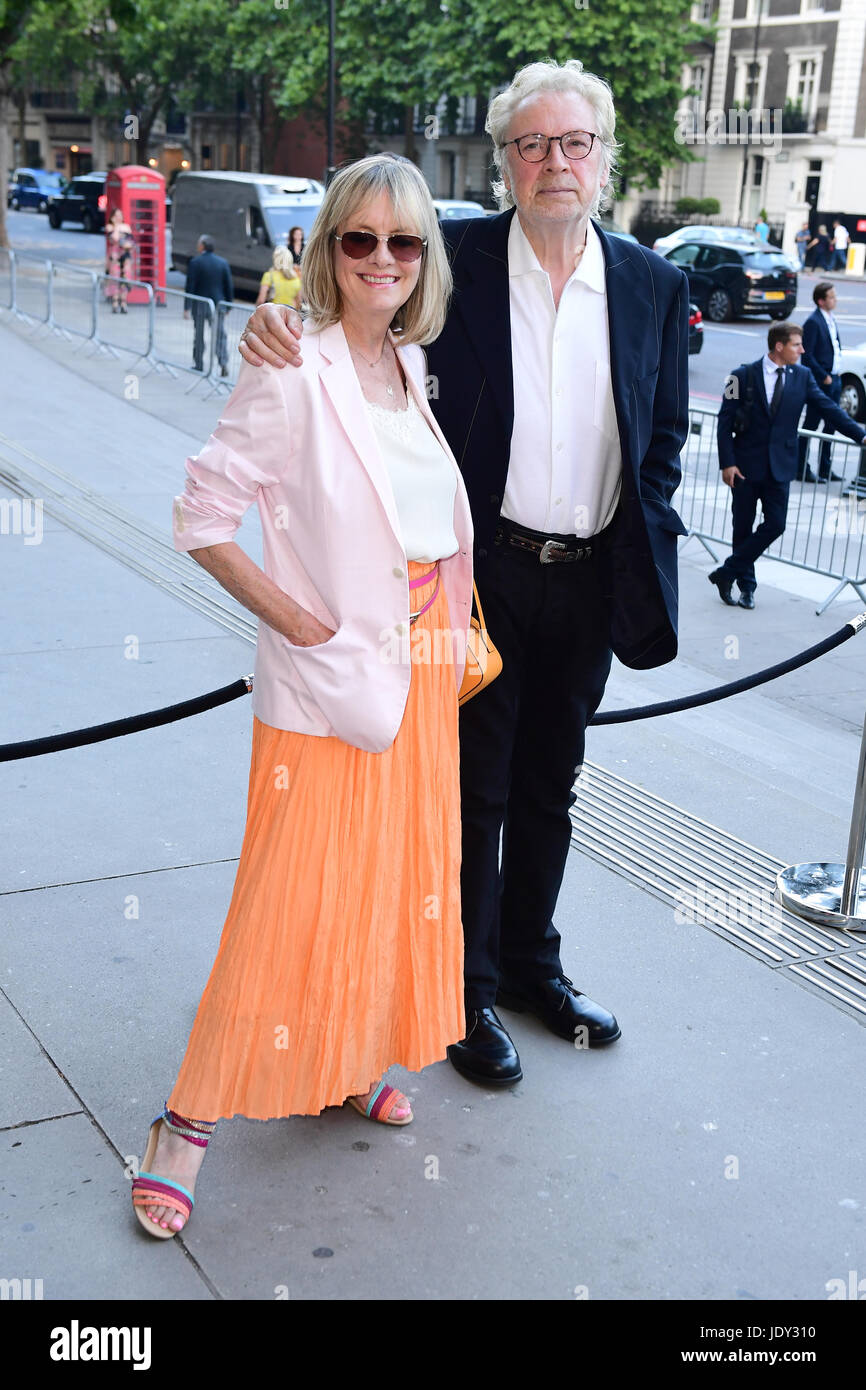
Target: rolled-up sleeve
248, 450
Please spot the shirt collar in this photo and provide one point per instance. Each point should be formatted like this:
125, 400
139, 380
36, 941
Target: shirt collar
770, 365
522, 260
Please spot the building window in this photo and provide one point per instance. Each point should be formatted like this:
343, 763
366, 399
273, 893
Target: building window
749, 79
804, 79
702, 11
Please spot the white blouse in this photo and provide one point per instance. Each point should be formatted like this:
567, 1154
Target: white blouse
422, 479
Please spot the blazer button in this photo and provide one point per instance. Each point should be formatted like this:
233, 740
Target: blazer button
494, 499
482, 554
397, 573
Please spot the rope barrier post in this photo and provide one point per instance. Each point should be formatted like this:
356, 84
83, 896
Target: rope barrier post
833, 895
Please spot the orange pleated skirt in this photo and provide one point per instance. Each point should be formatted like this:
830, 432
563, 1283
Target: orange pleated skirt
342, 951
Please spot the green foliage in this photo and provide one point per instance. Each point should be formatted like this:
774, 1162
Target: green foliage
689, 207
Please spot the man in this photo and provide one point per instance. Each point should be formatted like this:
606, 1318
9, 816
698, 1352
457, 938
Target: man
209, 277
757, 435
561, 384
841, 241
822, 354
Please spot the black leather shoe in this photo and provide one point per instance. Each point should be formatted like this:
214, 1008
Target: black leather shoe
487, 1054
724, 585
807, 476
747, 599
564, 1009
830, 478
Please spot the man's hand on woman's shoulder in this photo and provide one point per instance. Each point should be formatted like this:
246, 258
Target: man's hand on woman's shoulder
273, 335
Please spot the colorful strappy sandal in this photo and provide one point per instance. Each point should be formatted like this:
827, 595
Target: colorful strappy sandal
149, 1189
381, 1103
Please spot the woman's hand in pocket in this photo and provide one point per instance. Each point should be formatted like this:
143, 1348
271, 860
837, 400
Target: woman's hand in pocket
307, 631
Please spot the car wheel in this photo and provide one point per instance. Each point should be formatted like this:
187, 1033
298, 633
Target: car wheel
853, 399
87, 221
719, 306
54, 218
14, 205
42, 205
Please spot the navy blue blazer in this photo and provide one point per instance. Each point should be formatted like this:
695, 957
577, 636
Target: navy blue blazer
768, 448
818, 347
209, 276
472, 397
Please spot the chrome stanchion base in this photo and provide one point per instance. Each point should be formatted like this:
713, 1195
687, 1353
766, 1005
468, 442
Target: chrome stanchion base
814, 891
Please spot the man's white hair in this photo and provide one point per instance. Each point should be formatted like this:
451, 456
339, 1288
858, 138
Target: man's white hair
550, 76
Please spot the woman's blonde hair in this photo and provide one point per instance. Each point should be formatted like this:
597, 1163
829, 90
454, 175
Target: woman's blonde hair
550, 76
283, 261
422, 317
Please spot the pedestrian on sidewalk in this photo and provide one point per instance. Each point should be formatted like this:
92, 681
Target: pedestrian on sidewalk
208, 277
820, 248
841, 242
119, 248
757, 437
822, 356
281, 284
342, 951
561, 383
801, 241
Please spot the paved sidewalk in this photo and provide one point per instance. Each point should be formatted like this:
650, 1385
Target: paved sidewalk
714, 1152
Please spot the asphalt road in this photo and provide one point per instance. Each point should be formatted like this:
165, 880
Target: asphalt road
726, 345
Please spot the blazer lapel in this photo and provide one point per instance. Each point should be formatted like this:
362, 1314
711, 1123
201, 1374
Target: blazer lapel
482, 301
757, 370
340, 380
629, 319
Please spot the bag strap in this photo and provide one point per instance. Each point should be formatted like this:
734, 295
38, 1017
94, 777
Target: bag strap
481, 621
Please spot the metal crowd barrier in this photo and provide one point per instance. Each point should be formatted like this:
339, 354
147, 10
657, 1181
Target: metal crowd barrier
183, 332
132, 331
7, 278
232, 319
826, 527
32, 287
73, 300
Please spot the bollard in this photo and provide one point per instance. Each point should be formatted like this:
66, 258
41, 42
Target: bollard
833, 895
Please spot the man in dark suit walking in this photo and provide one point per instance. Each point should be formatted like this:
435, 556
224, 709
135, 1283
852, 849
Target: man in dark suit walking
822, 354
757, 436
209, 276
560, 381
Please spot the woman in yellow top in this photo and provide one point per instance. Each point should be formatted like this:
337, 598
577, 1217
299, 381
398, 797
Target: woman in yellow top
282, 283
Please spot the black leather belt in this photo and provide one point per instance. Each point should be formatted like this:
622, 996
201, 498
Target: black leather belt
549, 549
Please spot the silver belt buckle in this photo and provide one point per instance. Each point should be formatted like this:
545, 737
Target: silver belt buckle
547, 557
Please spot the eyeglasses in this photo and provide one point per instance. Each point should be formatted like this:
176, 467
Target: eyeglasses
575, 144
402, 245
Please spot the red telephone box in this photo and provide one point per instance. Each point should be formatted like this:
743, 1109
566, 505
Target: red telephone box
139, 192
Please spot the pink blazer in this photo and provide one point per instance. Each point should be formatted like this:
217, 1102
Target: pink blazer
298, 441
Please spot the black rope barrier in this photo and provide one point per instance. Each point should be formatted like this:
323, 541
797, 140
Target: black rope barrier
77, 738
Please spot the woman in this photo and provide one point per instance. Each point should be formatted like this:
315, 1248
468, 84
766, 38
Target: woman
342, 951
821, 244
296, 244
119, 246
282, 283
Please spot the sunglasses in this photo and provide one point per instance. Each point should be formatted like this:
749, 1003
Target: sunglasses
403, 246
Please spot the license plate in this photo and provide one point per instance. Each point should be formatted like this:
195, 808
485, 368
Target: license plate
774, 294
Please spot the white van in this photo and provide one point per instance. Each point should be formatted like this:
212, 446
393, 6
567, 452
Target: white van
246, 214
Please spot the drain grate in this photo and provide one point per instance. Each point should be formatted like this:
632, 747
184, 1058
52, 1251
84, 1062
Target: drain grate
712, 879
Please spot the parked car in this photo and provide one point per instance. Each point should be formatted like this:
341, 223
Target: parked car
84, 201
446, 208
32, 188
246, 214
614, 229
727, 281
696, 329
698, 233
853, 398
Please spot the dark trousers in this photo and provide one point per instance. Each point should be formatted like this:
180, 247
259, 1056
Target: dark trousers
521, 743
748, 543
202, 315
811, 421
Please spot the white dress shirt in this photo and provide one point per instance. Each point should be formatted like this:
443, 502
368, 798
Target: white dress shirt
565, 465
836, 368
771, 371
